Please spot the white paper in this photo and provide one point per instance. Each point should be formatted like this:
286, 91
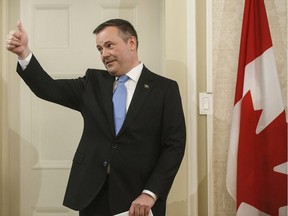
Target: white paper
127, 213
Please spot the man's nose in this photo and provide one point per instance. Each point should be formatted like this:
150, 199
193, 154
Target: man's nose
105, 53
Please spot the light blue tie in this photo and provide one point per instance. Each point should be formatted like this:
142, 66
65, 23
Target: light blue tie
119, 102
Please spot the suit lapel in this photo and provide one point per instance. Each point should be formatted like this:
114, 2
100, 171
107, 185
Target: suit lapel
143, 88
106, 87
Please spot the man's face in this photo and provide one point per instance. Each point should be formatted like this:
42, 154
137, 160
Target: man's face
117, 55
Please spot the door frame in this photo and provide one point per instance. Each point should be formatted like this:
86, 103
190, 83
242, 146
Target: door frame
9, 13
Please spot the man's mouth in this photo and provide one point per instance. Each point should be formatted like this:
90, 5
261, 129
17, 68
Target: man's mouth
109, 62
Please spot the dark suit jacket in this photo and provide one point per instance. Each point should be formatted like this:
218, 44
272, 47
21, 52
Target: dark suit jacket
146, 153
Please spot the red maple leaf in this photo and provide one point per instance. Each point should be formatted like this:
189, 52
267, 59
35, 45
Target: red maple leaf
257, 184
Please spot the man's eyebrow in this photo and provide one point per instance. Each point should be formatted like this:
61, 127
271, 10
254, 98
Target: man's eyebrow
105, 43
108, 42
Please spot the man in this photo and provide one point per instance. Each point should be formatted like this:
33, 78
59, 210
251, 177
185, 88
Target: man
117, 166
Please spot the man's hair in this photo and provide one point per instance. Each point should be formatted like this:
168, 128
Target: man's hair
126, 29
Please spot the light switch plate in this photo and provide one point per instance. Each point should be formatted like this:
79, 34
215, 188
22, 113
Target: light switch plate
206, 103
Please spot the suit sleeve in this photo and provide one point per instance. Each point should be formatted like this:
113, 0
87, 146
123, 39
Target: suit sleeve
66, 92
172, 145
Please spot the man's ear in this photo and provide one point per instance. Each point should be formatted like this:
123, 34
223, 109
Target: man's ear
133, 43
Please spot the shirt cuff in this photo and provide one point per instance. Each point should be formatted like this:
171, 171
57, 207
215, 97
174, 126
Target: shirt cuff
151, 194
24, 62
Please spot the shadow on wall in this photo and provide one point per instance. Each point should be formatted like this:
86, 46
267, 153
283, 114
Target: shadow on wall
178, 71
178, 208
19, 174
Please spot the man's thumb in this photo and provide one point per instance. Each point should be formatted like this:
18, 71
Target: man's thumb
19, 26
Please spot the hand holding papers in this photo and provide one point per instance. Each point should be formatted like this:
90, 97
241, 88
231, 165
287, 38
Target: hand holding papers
127, 214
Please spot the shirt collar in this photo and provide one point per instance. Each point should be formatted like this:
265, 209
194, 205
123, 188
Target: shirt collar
135, 72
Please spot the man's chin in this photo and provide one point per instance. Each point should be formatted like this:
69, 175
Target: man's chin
112, 72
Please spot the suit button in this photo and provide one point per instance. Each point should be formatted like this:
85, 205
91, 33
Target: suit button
114, 145
105, 163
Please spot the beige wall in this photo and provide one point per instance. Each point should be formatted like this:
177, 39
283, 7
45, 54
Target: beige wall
176, 68
6, 17
1, 47
177, 58
201, 119
227, 22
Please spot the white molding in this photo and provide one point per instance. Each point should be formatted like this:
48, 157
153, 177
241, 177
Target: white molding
40, 41
209, 88
118, 4
192, 109
38, 210
53, 165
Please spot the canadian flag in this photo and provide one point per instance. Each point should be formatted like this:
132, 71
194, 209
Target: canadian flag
257, 158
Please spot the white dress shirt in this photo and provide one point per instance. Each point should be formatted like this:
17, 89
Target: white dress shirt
131, 83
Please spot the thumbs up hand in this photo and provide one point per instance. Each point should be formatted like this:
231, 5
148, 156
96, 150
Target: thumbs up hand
17, 42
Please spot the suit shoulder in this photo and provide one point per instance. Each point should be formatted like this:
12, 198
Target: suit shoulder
161, 78
96, 72
96, 75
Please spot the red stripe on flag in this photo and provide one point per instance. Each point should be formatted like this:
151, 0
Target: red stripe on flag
255, 39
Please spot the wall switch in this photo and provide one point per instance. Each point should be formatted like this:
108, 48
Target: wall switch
206, 103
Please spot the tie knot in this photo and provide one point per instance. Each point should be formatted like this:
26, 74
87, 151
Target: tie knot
122, 79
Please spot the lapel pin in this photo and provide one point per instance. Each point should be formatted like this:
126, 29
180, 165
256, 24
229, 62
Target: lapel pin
146, 86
